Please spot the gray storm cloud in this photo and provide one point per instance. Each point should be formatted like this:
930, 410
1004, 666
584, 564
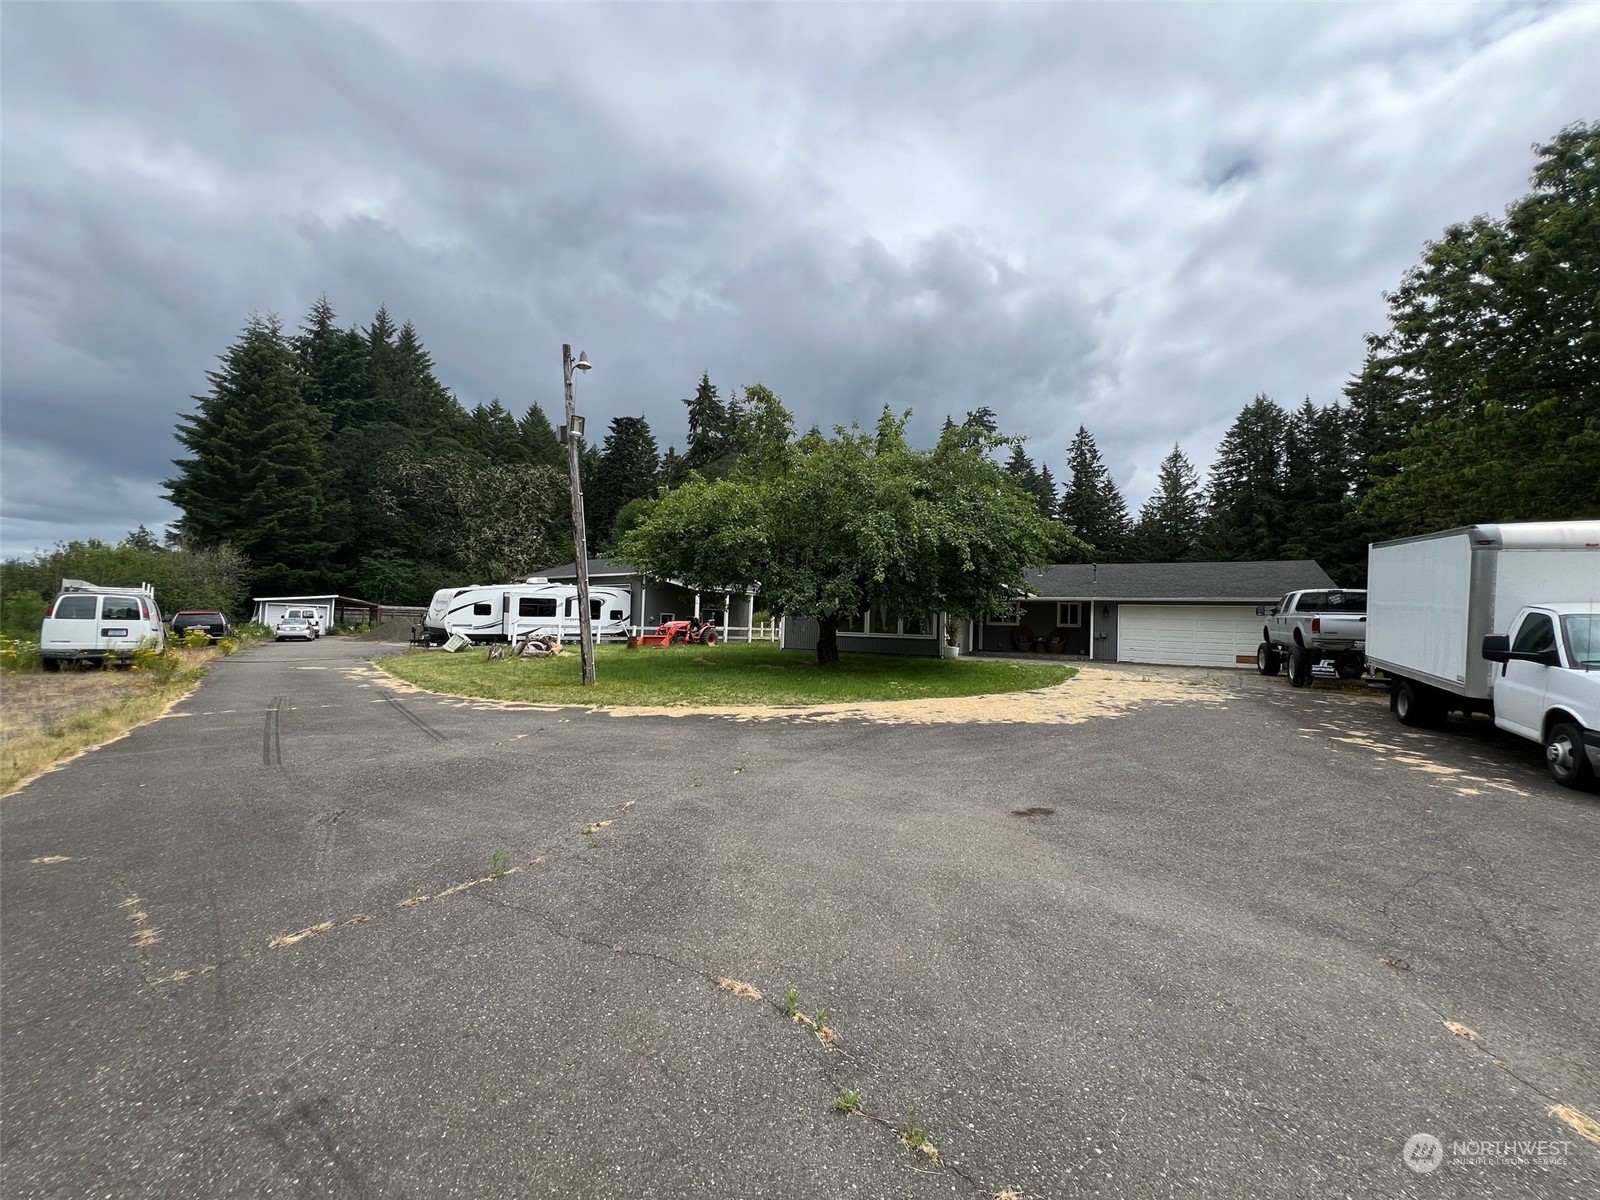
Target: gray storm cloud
1071, 214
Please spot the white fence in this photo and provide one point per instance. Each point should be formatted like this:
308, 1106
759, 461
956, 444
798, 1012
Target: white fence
764, 632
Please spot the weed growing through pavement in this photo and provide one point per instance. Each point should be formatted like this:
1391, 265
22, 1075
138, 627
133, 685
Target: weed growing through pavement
913, 1132
847, 1101
791, 1004
498, 862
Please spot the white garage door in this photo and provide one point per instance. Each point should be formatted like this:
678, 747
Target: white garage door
1187, 635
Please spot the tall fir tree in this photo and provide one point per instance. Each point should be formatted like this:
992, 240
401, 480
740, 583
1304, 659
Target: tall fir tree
1171, 520
1091, 503
254, 476
628, 467
540, 445
708, 428
1245, 509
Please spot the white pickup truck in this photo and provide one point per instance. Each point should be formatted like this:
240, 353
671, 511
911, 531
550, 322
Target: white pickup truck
1314, 626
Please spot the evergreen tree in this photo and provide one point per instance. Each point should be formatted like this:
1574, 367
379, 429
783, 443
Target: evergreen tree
539, 442
1493, 355
1171, 519
495, 434
984, 419
254, 475
1245, 513
709, 425
333, 369
1045, 492
1091, 503
627, 471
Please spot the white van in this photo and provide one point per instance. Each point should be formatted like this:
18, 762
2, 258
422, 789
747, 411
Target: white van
96, 624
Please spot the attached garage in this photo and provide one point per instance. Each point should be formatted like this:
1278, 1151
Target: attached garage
1199, 614
1188, 635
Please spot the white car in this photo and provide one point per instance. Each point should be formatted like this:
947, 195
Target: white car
294, 627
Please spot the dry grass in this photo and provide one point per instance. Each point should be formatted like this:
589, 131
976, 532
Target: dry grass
739, 988
47, 719
1585, 1126
1461, 1031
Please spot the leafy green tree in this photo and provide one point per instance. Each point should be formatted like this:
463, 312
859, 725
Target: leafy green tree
854, 520
1171, 519
480, 522
184, 576
1091, 503
254, 476
764, 433
1245, 509
1492, 360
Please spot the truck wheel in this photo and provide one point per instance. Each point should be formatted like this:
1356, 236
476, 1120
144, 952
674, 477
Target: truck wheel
1299, 667
1413, 704
1267, 660
1565, 756
1349, 666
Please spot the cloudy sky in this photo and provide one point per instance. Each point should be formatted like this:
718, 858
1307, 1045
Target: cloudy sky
1130, 217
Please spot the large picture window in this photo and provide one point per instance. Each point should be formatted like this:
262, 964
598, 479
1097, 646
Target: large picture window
882, 621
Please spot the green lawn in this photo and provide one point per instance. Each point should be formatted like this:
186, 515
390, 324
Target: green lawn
758, 673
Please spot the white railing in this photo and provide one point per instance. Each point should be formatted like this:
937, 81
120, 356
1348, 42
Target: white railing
767, 631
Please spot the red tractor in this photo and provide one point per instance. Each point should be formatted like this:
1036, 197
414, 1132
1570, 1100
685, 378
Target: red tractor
681, 633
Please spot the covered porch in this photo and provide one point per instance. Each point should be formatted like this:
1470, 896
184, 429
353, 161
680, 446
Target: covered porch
1040, 625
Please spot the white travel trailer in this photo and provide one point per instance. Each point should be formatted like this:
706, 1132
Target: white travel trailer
503, 612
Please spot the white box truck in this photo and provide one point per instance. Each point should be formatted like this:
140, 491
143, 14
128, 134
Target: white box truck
1503, 619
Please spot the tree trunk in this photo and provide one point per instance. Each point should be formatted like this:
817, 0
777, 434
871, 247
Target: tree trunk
828, 639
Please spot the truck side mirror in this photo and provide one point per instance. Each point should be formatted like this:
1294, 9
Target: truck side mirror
1266, 610
1497, 648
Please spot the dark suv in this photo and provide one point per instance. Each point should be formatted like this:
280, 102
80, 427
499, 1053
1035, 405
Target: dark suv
214, 623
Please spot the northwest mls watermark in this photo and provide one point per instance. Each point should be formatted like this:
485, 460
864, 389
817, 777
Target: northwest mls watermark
1424, 1153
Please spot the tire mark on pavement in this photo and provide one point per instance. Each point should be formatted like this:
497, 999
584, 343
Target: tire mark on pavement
272, 734
421, 724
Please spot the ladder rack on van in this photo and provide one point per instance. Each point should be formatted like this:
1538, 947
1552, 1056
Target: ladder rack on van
147, 590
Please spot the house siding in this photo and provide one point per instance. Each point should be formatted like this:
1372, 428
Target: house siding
801, 634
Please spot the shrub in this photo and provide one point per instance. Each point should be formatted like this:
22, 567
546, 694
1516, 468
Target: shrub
227, 645
18, 654
152, 660
251, 632
196, 639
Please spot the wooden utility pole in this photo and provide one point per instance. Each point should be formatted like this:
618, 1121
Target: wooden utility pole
580, 540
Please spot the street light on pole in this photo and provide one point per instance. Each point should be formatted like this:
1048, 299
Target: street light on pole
572, 434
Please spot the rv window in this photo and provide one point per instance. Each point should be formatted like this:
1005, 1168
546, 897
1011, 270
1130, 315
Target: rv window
536, 606
481, 609
76, 608
616, 614
594, 609
568, 611
119, 608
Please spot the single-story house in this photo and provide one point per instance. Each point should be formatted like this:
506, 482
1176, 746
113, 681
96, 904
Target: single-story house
657, 601
330, 610
1199, 614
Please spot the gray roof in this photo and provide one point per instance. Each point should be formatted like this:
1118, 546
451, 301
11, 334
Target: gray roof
1252, 581
597, 567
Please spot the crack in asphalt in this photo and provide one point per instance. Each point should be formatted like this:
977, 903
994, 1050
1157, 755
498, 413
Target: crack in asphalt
832, 1047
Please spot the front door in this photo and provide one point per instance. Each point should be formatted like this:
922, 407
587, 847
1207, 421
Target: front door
1520, 687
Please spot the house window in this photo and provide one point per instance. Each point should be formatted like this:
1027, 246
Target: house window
536, 606
852, 622
920, 625
1011, 616
1069, 614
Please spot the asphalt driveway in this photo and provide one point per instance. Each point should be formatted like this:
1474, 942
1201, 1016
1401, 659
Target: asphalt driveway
1245, 946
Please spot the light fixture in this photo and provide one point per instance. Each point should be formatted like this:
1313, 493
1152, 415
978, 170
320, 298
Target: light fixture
582, 365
